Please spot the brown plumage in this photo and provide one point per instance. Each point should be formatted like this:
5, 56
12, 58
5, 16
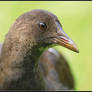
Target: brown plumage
23, 45
56, 71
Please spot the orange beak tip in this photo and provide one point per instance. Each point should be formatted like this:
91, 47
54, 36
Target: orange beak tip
68, 43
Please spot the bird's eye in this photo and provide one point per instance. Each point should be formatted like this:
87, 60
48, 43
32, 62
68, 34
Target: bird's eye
43, 26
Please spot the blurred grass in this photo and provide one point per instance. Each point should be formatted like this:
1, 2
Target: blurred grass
76, 18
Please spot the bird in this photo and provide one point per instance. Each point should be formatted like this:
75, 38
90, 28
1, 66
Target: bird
26, 40
56, 71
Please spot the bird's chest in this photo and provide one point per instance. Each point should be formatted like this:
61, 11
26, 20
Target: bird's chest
27, 80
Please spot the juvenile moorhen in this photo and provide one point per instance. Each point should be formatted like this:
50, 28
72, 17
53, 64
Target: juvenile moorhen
23, 45
56, 71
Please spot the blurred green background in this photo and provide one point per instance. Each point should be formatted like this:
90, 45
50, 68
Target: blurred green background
76, 18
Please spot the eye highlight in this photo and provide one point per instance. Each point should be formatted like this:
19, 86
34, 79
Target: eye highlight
43, 26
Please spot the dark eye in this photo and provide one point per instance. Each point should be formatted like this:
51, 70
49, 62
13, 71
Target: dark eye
43, 26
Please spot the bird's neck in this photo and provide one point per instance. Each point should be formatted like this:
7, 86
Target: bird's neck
30, 59
30, 67
23, 70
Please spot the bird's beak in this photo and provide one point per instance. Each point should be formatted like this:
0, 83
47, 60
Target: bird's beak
63, 39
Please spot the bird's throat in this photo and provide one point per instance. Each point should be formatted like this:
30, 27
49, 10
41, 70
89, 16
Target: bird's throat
31, 73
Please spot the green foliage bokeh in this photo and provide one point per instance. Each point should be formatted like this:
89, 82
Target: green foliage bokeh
76, 18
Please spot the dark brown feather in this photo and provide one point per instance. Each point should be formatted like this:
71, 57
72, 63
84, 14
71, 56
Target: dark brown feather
56, 71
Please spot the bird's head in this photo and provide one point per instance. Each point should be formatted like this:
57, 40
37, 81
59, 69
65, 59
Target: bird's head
43, 27
48, 30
